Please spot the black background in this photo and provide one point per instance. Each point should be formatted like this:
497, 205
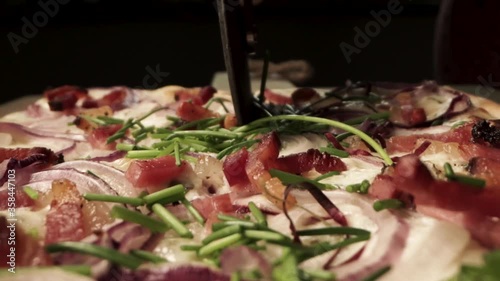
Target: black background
104, 43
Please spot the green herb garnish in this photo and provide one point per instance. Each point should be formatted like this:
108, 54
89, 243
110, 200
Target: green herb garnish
387, 204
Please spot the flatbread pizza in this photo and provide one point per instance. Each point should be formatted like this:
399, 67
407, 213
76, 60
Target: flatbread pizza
364, 182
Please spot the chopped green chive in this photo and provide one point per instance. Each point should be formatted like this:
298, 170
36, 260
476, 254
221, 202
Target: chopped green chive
143, 154
133, 201
192, 210
387, 204
467, 180
359, 187
448, 170
288, 178
220, 244
327, 175
287, 269
190, 247
167, 217
458, 124
147, 256
165, 196
322, 248
136, 217
257, 214
265, 235
110, 120
334, 151
333, 231
33, 194
177, 153
224, 217
377, 274
224, 232
112, 255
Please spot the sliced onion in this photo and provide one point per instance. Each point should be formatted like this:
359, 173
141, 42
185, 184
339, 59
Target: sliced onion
385, 245
23, 136
244, 259
113, 177
134, 239
17, 129
85, 183
115, 155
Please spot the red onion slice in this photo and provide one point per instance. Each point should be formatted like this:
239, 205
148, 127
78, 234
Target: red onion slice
17, 129
385, 245
243, 259
42, 181
113, 177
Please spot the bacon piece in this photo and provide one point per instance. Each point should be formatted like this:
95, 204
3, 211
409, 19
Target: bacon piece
261, 160
333, 140
190, 111
384, 187
115, 99
407, 143
276, 98
65, 97
413, 177
485, 168
312, 159
197, 96
98, 137
65, 221
230, 121
304, 96
234, 167
23, 153
156, 172
92, 112
29, 160
214, 204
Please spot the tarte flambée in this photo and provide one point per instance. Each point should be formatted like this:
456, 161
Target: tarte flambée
366, 182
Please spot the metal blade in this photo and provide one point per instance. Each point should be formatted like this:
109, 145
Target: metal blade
234, 43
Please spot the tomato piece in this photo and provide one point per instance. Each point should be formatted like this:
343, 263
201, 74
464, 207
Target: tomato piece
154, 172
